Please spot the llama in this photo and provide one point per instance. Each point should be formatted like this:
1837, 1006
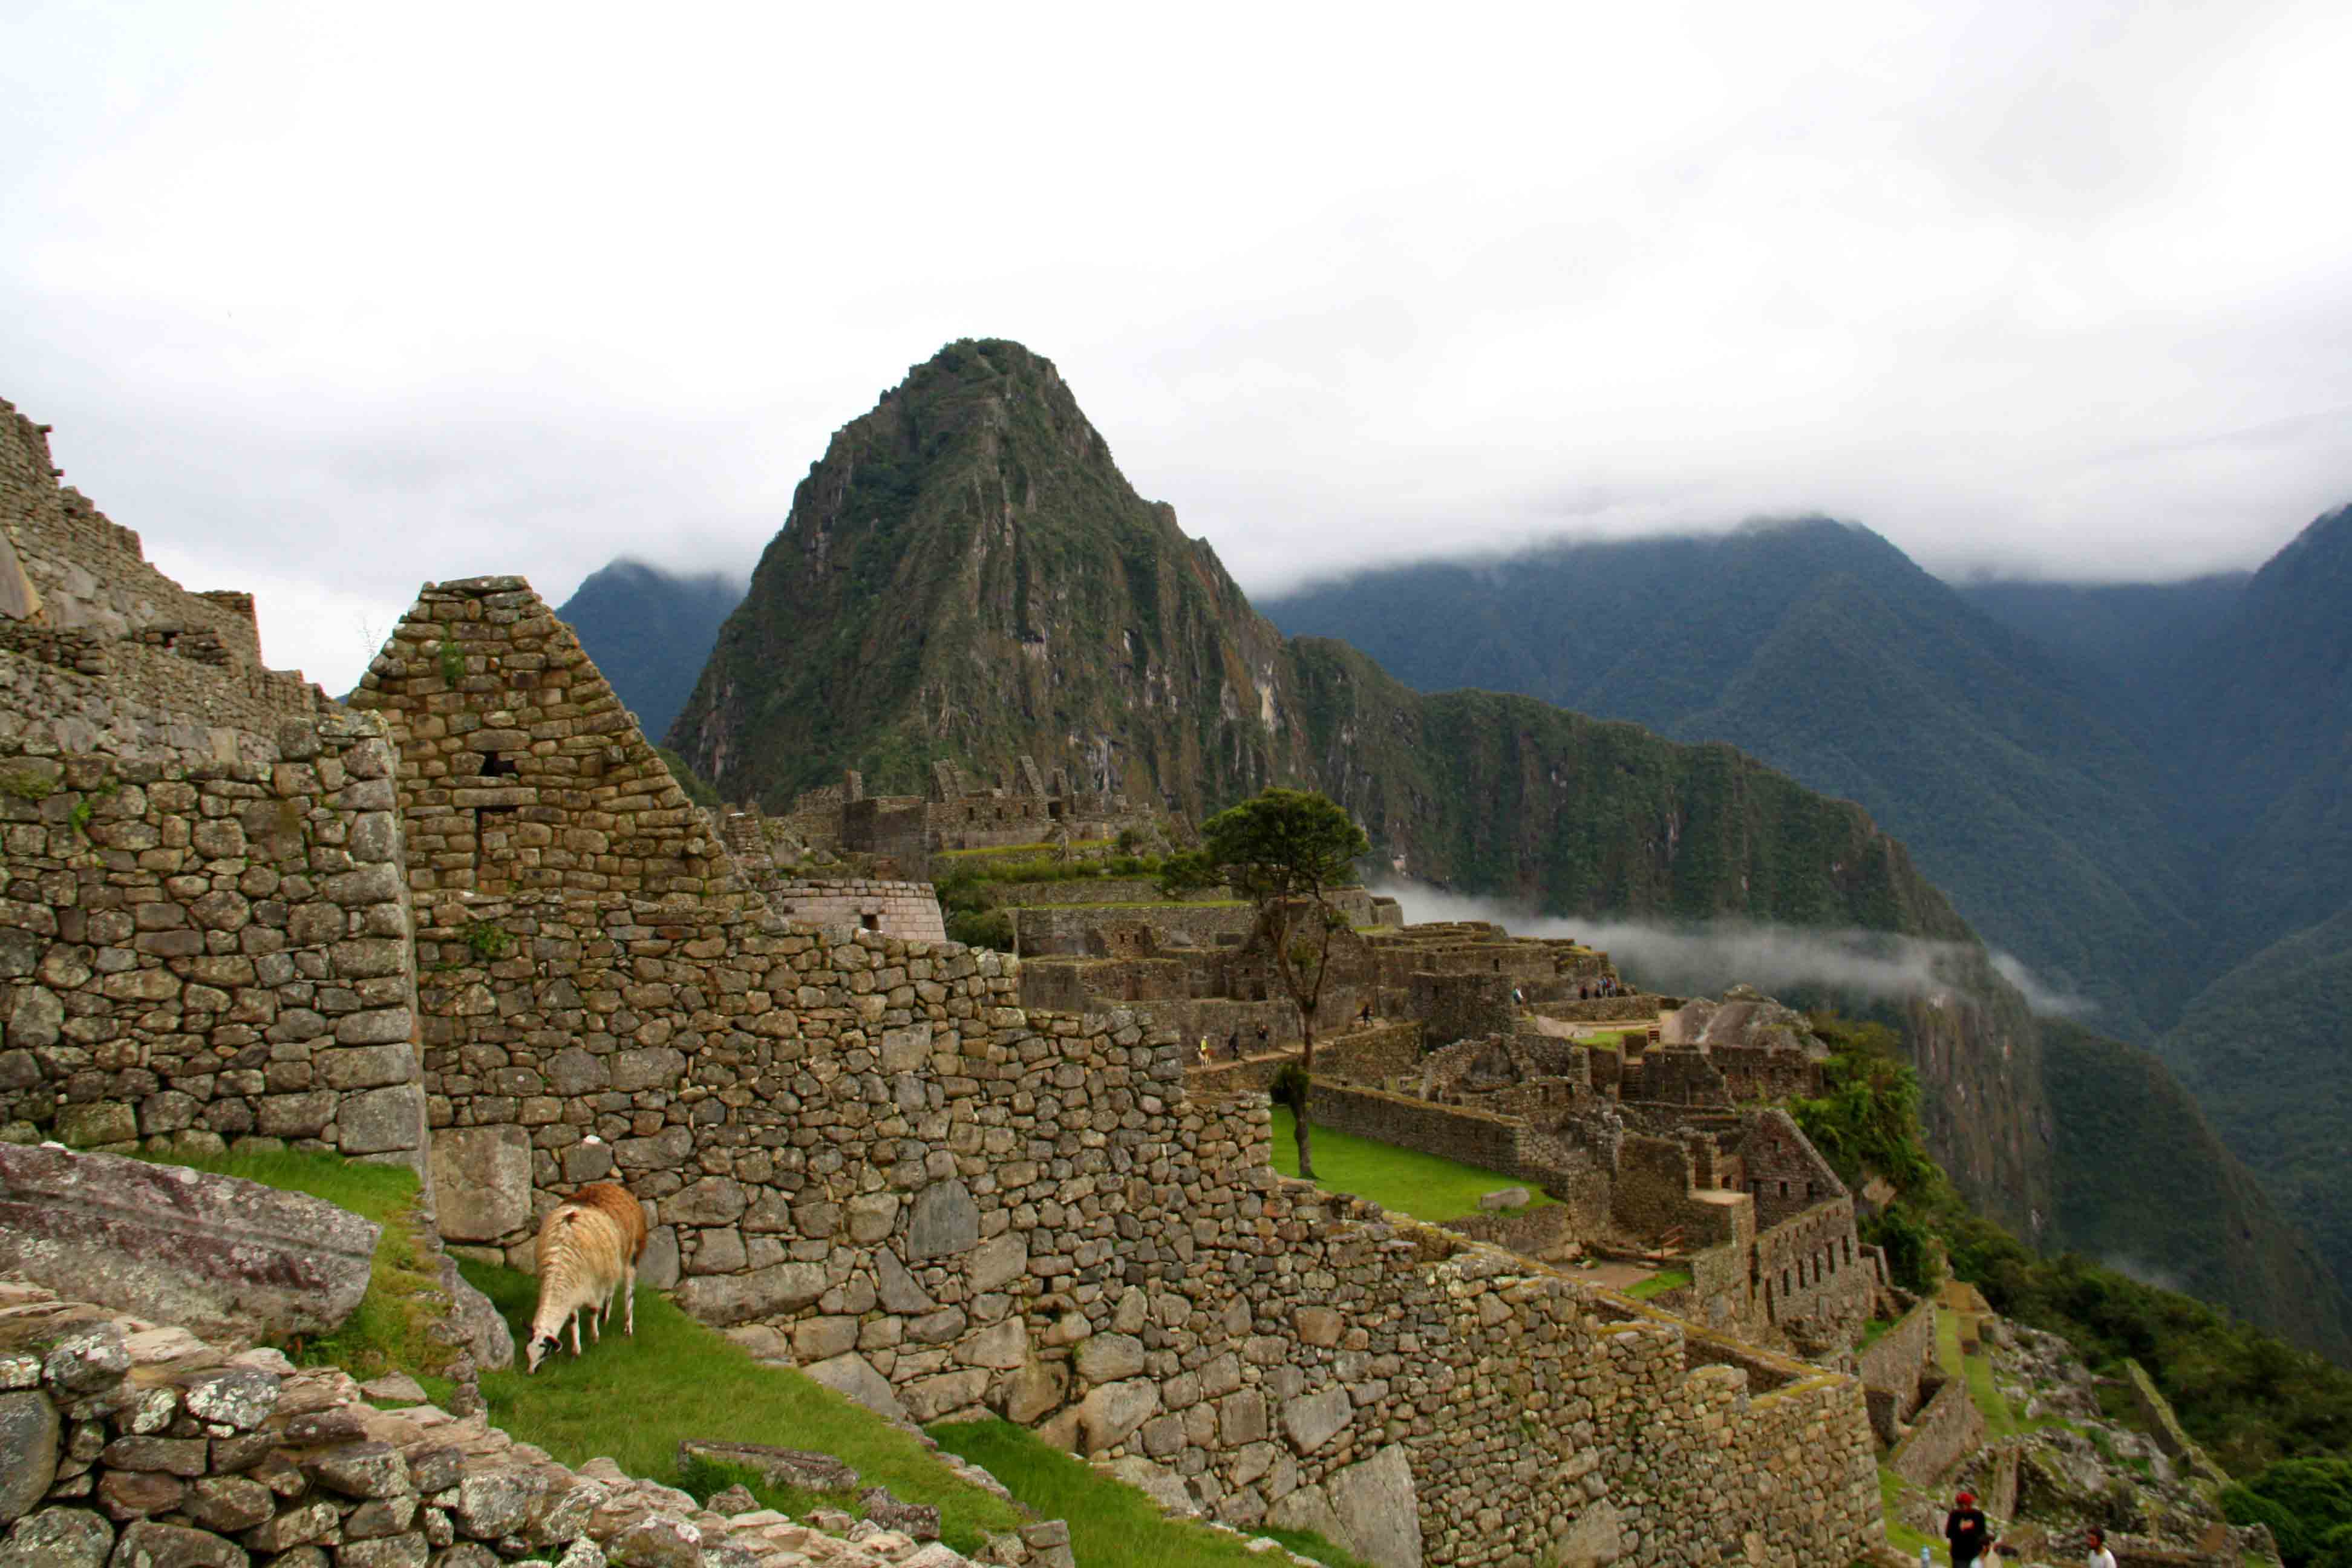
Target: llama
588, 1247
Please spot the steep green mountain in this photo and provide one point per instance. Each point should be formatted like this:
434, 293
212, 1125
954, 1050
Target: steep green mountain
966, 573
1822, 649
2140, 635
2264, 1048
650, 632
2142, 790
2266, 726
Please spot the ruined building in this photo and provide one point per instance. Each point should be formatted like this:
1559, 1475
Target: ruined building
471, 923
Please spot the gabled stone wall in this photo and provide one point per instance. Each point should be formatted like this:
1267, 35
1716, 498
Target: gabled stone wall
521, 770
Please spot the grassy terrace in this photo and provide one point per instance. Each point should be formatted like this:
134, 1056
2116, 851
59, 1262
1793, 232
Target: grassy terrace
1110, 1523
1423, 1187
634, 1399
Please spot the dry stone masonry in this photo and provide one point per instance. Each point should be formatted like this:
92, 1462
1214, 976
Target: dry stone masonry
133, 1445
475, 925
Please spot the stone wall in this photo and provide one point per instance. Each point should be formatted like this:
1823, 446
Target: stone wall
199, 954
1817, 1286
1757, 1072
899, 909
1600, 1010
1051, 930
520, 770
1479, 1139
1656, 1195
1891, 1369
940, 1201
1375, 1057
1950, 1426
1783, 1171
142, 1445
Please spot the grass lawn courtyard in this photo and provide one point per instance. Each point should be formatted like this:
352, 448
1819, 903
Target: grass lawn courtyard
1421, 1185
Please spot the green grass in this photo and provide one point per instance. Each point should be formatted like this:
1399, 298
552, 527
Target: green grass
1111, 1522
1874, 1331
1901, 1536
2000, 1421
1658, 1284
1421, 1185
388, 1332
634, 1398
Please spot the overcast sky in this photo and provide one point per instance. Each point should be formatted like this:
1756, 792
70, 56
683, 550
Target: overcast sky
326, 300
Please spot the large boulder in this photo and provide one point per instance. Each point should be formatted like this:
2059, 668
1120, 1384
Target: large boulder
231, 1260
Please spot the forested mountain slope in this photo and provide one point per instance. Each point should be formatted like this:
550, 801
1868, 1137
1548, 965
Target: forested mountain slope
2142, 790
967, 574
651, 631
1822, 649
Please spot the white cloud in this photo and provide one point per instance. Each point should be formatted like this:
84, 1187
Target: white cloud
1707, 958
342, 300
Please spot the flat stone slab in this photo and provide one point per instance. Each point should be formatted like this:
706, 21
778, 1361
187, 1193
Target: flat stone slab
229, 1259
1506, 1198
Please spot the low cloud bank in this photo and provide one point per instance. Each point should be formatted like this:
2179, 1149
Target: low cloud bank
1705, 959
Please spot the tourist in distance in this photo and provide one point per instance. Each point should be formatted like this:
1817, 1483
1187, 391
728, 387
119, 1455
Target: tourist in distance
2100, 1556
1965, 1529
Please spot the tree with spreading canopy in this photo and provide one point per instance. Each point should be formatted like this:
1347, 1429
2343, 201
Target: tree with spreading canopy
1286, 851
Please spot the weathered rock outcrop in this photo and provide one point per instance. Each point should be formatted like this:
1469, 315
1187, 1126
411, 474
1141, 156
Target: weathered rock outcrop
232, 1259
142, 1446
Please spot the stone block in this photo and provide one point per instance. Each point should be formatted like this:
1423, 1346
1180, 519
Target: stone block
381, 1120
872, 1215
58, 1538
1003, 1346
1312, 1420
996, 1263
1113, 1410
714, 1200
896, 1287
1033, 1391
1108, 1358
1319, 1326
659, 1068
1305, 1508
945, 1221
28, 1450
1377, 1508
1241, 1418
364, 1066
104, 1121
481, 1182
229, 1259
722, 1298
853, 1376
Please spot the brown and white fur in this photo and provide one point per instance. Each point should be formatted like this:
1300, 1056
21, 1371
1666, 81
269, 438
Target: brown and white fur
588, 1247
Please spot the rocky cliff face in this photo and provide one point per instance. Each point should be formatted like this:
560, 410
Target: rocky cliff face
966, 573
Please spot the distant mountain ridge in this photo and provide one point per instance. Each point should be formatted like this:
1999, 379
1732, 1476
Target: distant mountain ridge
966, 573
2142, 790
651, 630
1822, 649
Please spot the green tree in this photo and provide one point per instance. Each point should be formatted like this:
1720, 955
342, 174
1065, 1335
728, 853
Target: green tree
1285, 850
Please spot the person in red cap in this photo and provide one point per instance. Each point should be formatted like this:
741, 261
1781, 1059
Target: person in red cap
1965, 1529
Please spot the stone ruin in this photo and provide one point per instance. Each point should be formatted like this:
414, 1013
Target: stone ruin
1022, 808
470, 923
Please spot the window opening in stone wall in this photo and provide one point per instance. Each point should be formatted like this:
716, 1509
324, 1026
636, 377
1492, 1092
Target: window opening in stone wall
499, 765
871, 923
